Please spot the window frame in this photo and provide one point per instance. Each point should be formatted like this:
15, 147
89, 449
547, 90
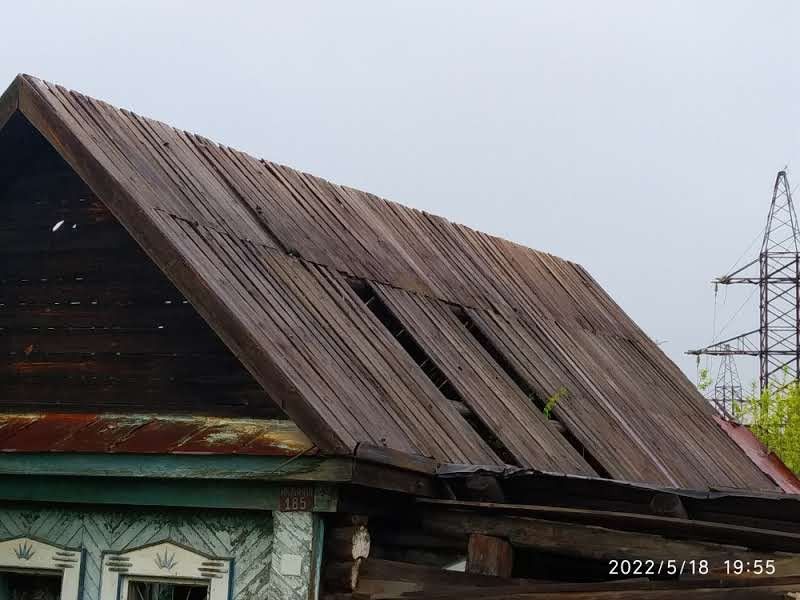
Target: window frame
166, 562
25, 555
124, 591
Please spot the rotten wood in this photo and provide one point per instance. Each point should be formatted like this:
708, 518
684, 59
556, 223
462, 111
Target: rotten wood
393, 577
401, 460
341, 576
771, 540
585, 541
347, 543
488, 555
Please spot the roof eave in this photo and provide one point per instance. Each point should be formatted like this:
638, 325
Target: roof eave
9, 101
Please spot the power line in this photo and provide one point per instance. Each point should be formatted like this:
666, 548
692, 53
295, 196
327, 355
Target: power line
778, 284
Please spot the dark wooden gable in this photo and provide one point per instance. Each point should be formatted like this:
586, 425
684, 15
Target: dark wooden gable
87, 321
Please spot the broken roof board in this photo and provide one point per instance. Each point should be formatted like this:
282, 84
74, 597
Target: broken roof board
264, 253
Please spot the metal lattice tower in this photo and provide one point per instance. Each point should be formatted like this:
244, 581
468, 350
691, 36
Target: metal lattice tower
776, 342
727, 387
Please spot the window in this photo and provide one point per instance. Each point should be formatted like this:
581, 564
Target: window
142, 589
21, 586
164, 571
33, 570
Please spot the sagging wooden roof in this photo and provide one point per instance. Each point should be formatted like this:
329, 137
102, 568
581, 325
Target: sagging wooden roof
371, 323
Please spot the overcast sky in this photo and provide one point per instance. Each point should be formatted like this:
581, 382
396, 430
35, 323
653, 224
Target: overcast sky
640, 139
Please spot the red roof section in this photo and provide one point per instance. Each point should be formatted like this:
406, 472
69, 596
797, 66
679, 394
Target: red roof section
767, 461
149, 434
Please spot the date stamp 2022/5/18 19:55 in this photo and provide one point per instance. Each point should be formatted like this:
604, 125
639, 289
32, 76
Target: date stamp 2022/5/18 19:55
644, 567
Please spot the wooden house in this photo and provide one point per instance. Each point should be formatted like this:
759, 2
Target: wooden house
226, 379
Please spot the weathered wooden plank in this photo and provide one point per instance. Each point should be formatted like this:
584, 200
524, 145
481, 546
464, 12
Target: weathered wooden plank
585, 541
114, 292
387, 577
175, 315
114, 367
348, 543
88, 237
483, 385
770, 540
437, 417
188, 493
42, 266
88, 340
540, 363
396, 459
260, 288
168, 398
178, 466
487, 555
713, 593
631, 589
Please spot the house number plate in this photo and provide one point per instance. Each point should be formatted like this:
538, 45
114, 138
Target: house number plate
297, 498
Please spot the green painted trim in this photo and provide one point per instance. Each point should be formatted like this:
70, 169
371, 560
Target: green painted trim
179, 466
188, 493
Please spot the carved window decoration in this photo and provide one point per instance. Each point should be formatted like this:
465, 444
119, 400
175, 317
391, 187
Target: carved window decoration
23, 556
164, 570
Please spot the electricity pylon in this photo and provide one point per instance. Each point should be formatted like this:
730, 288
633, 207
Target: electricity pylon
776, 342
727, 387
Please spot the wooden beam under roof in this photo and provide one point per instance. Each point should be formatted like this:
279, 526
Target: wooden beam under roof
770, 540
583, 541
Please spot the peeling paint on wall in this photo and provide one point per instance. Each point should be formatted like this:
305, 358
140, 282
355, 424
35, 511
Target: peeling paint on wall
245, 537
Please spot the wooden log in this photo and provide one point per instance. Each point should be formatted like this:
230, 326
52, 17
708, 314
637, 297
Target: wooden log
517, 588
774, 539
755, 593
394, 458
410, 538
487, 555
385, 477
387, 577
345, 519
580, 540
668, 505
167, 397
347, 543
341, 576
485, 488
778, 592
432, 558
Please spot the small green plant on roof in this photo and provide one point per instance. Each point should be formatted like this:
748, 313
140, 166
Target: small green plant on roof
553, 400
704, 380
773, 415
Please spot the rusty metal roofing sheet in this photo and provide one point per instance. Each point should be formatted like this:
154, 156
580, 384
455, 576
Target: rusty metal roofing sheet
149, 434
767, 461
